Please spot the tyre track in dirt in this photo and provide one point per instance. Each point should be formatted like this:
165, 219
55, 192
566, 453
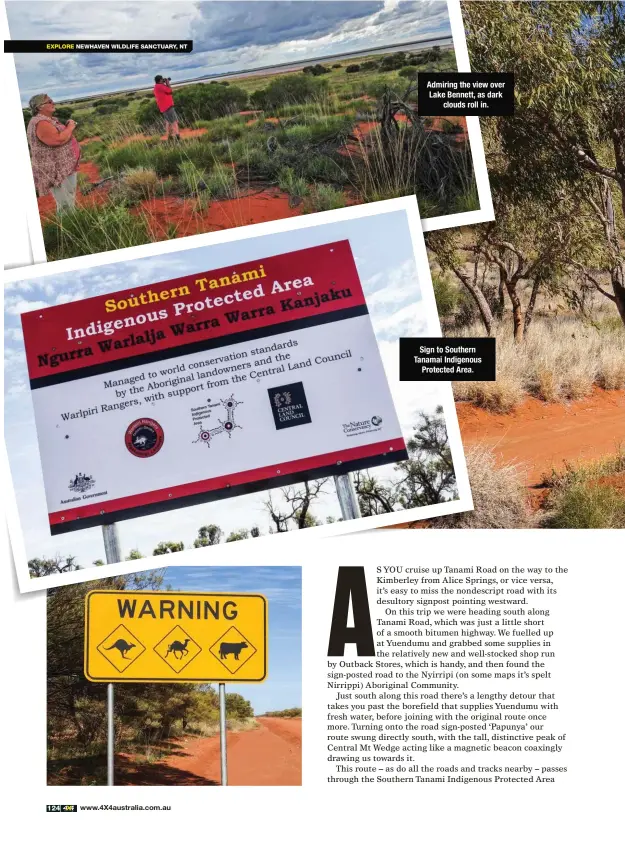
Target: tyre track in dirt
268, 755
538, 437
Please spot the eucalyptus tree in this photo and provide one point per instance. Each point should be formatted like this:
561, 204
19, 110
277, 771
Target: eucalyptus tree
569, 123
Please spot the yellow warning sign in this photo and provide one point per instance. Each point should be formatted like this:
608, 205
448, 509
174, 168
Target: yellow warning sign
154, 636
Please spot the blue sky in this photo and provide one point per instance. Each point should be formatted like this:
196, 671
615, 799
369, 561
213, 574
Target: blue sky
383, 252
282, 586
227, 36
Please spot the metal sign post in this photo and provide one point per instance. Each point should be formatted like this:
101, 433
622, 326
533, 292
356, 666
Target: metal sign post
348, 499
113, 551
110, 742
222, 733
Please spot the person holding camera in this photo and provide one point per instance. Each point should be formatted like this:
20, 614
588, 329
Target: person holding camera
54, 153
165, 102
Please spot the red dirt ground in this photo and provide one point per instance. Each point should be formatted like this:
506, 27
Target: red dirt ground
365, 127
269, 755
47, 205
261, 206
538, 436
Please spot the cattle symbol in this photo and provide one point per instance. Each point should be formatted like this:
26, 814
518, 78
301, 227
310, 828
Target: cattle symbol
123, 647
178, 648
226, 649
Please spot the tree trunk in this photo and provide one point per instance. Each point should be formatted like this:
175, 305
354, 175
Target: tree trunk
617, 273
517, 312
478, 297
529, 313
618, 285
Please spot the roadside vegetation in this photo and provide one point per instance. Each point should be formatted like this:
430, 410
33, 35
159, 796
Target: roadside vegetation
287, 713
322, 138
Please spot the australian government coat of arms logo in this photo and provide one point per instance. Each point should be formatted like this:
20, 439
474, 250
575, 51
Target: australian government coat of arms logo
81, 483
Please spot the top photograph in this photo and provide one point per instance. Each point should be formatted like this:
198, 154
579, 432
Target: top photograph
280, 109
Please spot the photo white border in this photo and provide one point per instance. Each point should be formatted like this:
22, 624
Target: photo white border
21, 174
237, 551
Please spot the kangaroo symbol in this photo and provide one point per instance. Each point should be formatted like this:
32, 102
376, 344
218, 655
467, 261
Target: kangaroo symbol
121, 645
178, 648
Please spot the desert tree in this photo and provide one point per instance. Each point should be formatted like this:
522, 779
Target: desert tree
569, 120
167, 547
208, 535
294, 510
42, 567
427, 477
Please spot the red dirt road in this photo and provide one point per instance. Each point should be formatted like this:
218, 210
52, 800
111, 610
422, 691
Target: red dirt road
538, 437
268, 755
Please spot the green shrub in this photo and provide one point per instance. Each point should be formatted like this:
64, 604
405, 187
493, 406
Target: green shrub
446, 293
293, 184
198, 102
322, 168
448, 127
588, 506
408, 73
63, 113
324, 197
221, 183
288, 90
352, 68
192, 178
316, 70
88, 231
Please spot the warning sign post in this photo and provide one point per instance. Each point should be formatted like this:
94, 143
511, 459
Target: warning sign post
174, 636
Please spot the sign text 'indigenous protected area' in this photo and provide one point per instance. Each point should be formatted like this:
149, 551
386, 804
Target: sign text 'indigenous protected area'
175, 636
203, 387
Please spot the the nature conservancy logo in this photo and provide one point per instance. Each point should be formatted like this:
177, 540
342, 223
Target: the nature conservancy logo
357, 428
289, 405
81, 483
144, 438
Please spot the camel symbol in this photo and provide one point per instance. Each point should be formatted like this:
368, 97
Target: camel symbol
178, 647
123, 647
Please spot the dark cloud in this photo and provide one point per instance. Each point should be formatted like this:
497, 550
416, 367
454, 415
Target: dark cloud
225, 25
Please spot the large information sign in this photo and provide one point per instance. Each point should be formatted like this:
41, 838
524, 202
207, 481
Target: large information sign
175, 636
207, 386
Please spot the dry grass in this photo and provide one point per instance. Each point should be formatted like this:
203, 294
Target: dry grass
499, 496
561, 359
137, 184
587, 495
